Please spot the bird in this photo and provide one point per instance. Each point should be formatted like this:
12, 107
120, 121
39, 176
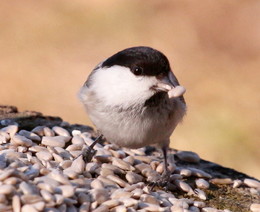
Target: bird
134, 100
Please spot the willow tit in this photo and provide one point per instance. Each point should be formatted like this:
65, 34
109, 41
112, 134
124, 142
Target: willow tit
134, 99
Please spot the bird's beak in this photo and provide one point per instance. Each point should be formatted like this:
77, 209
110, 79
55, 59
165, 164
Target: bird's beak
166, 82
170, 85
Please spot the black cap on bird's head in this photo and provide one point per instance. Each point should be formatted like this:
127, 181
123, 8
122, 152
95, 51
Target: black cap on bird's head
141, 60
139, 73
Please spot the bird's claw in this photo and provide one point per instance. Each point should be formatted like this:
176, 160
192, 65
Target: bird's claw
162, 182
88, 154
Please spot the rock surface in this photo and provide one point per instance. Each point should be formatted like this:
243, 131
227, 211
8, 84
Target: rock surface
36, 175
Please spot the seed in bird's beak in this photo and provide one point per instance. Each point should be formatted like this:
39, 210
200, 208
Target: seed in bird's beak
170, 85
176, 91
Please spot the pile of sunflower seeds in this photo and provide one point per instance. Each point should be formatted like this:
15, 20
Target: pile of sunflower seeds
43, 170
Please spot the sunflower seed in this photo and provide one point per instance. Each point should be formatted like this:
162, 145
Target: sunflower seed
252, 183
21, 140
99, 195
133, 178
11, 130
16, 203
188, 156
6, 189
57, 141
201, 183
255, 207
222, 181
61, 131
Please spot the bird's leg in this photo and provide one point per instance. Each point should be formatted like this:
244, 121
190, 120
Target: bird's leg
166, 173
164, 180
89, 152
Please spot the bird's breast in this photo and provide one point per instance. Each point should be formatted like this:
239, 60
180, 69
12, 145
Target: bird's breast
138, 125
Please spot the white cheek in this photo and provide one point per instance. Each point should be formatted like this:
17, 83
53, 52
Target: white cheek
118, 86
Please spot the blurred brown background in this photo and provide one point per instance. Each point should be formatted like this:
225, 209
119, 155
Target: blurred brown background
47, 49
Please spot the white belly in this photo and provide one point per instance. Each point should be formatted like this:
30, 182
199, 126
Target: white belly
137, 129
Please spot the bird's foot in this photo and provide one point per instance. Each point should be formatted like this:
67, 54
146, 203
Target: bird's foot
88, 154
163, 182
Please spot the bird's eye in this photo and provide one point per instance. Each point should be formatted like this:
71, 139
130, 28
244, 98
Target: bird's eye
138, 70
